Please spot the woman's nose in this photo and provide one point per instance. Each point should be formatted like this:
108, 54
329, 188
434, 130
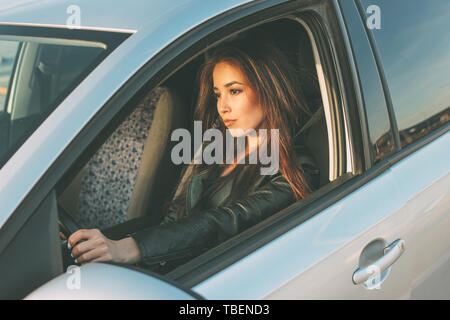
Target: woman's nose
223, 105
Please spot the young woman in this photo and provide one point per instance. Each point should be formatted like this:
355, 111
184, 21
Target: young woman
242, 86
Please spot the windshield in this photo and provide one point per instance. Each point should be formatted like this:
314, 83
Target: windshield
37, 72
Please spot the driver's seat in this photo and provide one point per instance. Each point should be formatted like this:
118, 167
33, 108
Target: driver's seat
131, 173
157, 173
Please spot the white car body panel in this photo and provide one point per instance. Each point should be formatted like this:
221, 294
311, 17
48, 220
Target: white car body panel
316, 260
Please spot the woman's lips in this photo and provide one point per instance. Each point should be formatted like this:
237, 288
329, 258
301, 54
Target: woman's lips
228, 122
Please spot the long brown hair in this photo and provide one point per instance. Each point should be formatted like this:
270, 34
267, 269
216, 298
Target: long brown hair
274, 80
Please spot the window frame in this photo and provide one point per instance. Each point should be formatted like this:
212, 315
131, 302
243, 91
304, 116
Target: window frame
387, 94
338, 128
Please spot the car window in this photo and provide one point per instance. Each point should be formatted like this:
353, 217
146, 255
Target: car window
128, 177
414, 47
35, 75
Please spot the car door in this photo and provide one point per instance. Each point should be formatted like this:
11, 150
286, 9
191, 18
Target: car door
379, 235
417, 82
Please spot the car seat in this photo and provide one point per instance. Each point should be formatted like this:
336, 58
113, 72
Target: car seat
131, 173
158, 174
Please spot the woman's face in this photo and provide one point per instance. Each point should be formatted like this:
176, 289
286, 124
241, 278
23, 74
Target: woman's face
237, 102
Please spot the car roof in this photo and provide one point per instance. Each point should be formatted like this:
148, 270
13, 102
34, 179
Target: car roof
128, 15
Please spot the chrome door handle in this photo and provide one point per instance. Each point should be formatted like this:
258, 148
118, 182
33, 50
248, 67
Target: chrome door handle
391, 253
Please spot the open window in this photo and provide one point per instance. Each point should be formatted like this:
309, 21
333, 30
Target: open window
127, 173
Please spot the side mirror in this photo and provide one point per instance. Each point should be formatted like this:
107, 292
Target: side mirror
101, 281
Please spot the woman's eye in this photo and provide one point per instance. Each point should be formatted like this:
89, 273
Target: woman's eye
216, 95
234, 91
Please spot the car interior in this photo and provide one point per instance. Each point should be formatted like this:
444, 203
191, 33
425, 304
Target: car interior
46, 71
144, 177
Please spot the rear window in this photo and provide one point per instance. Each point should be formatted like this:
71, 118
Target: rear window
414, 45
38, 69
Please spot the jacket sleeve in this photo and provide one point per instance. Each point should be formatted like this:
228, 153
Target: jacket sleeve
204, 229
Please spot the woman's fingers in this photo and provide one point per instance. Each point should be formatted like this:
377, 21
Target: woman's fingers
94, 255
78, 235
82, 234
84, 247
96, 247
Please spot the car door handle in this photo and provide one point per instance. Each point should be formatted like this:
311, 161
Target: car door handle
391, 253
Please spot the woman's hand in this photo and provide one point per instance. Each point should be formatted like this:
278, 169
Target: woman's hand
98, 248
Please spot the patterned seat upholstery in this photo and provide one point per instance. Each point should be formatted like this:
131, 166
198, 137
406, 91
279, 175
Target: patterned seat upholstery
110, 175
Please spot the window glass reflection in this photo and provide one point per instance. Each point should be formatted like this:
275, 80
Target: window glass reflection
414, 46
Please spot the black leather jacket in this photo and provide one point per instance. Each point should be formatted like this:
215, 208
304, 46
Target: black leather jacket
187, 237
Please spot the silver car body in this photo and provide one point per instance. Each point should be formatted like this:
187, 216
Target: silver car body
316, 259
